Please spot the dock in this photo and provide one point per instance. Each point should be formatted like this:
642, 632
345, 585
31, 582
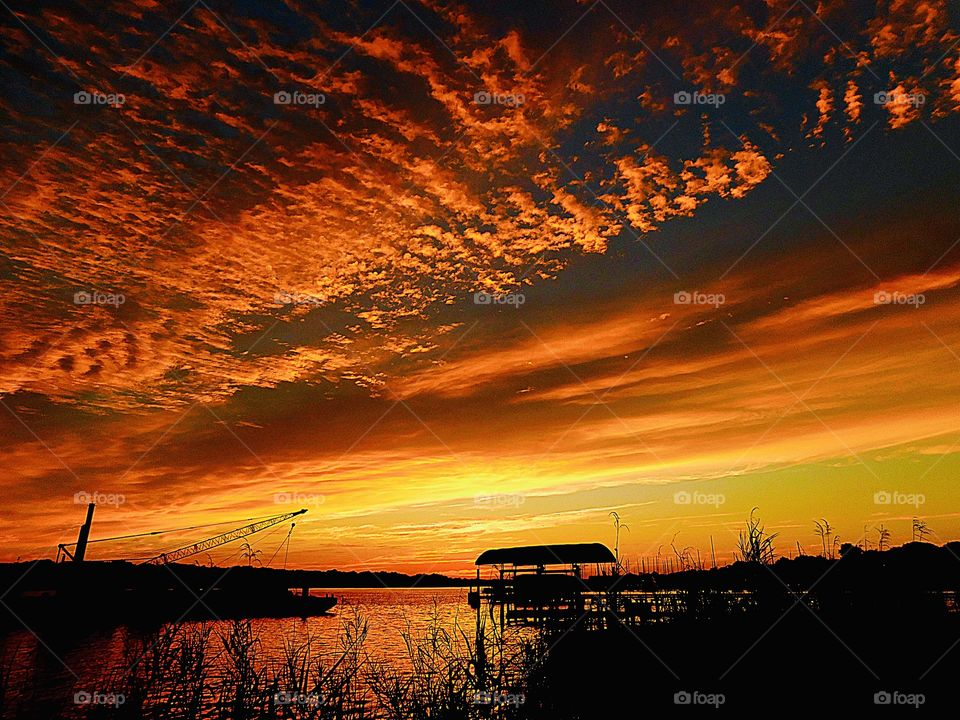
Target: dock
552, 587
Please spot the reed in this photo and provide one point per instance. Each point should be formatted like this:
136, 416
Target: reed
191, 672
163, 674
754, 543
451, 676
215, 672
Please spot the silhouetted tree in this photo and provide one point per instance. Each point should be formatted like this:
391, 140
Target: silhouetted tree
850, 549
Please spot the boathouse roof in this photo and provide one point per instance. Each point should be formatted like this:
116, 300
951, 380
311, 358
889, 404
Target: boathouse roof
569, 554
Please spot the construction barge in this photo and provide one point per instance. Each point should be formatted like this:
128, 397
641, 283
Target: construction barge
161, 588
121, 593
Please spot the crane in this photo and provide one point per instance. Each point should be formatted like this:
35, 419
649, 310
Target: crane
182, 552
222, 539
80, 546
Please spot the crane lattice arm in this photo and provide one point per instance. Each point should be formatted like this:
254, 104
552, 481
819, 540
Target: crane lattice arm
222, 539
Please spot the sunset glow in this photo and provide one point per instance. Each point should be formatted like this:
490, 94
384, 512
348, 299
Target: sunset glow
455, 279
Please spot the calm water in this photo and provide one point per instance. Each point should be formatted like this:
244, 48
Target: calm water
53, 668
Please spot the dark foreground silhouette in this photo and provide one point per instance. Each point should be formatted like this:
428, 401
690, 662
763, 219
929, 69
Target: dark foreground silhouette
872, 632
866, 632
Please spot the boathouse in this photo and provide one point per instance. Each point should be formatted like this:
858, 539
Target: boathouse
542, 585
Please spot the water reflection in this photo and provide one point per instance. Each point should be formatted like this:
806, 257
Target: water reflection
44, 671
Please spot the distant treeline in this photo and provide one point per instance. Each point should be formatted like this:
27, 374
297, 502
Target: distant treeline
46, 574
914, 567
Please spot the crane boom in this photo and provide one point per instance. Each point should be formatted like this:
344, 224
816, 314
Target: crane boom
222, 539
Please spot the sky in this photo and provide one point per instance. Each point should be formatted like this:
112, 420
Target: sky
455, 276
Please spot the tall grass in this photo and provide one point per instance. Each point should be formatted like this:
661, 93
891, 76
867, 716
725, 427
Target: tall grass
449, 675
206, 672
187, 672
754, 544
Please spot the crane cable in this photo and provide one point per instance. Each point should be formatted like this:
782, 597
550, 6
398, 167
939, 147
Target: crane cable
228, 557
286, 552
180, 529
286, 541
253, 544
